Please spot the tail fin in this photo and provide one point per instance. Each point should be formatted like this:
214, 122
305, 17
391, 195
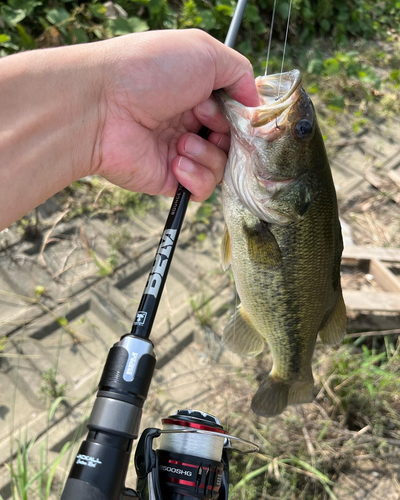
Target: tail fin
275, 394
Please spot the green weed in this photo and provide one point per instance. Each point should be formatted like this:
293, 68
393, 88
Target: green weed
202, 310
365, 382
115, 199
105, 268
3, 342
120, 239
28, 24
31, 478
50, 388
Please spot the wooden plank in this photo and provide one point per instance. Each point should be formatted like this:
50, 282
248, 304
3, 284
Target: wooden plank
375, 333
371, 320
367, 253
382, 184
393, 162
357, 300
384, 277
394, 175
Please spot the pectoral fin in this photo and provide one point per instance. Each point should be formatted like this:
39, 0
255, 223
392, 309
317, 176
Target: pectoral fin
334, 329
226, 250
241, 337
262, 245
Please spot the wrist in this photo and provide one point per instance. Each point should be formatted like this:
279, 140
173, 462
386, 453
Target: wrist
87, 105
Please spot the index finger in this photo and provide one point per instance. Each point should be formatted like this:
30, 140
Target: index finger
209, 115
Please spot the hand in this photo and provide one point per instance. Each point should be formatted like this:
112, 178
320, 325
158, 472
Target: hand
156, 97
127, 109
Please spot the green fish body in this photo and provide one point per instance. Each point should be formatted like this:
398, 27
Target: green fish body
283, 239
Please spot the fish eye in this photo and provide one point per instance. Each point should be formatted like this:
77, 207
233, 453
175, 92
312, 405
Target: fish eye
303, 129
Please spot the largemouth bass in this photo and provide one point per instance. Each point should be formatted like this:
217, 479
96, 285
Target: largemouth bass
283, 238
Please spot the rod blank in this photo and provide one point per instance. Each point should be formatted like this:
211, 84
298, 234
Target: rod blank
235, 24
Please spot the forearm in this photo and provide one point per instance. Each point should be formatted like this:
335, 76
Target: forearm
50, 101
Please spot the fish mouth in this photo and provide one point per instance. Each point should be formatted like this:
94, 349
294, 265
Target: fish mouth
277, 93
275, 89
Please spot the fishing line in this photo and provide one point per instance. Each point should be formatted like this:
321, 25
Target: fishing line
194, 444
284, 47
270, 38
231, 354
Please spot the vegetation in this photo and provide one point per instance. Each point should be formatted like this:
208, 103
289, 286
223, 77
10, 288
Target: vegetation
328, 41
305, 451
27, 24
97, 197
34, 477
202, 310
30, 480
51, 389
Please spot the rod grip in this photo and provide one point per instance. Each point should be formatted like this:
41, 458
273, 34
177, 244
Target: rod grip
76, 489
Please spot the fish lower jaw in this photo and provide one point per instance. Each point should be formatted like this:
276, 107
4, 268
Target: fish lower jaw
274, 184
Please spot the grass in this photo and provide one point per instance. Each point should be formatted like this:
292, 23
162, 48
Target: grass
119, 239
366, 384
319, 450
351, 85
29, 479
51, 389
97, 197
105, 268
354, 419
32, 473
92, 197
202, 310
307, 451
3, 343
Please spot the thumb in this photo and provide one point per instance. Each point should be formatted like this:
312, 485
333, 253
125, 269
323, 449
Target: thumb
233, 72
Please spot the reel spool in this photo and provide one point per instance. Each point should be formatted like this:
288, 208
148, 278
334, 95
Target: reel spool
191, 460
190, 463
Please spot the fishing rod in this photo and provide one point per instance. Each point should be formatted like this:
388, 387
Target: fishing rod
192, 457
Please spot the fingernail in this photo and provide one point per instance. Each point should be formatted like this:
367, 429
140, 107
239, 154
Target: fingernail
207, 108
194, 145
185, 165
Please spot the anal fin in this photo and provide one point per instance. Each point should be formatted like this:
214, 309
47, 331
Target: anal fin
334, 329
241, 337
